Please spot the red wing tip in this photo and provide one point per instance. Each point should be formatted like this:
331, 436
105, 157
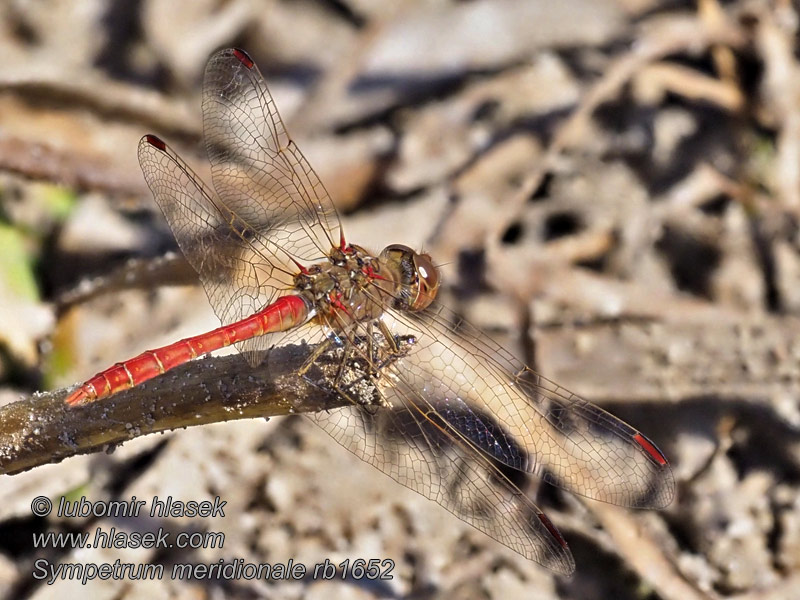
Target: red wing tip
155, 141
651, 449
243, 57
552, 529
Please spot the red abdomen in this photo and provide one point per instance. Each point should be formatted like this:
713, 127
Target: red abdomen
283, 314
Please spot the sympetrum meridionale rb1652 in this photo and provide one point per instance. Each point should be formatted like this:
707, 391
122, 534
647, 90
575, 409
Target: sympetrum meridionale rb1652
431, 401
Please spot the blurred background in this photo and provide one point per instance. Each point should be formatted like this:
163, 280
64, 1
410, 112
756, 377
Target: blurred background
612, 188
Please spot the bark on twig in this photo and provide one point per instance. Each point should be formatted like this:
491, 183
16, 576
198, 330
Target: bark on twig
41, 429
170, 269
644, 551
71, 168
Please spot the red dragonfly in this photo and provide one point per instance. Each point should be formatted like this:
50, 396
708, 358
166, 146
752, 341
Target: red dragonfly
430, 401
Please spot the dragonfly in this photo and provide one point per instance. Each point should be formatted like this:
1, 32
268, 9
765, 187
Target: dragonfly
428, 399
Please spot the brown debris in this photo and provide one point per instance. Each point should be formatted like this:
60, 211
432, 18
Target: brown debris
610, 187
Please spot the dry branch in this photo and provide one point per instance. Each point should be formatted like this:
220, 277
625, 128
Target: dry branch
644, 552
73, 168
137, 273
41, 429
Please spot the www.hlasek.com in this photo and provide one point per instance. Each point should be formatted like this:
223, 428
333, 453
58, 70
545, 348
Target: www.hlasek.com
237, 568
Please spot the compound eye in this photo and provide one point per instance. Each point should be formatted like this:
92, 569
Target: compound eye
427, 279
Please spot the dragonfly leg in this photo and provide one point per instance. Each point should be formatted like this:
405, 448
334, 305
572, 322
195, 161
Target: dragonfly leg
340, 372
318, 351
371, 357
388, 336
357, 375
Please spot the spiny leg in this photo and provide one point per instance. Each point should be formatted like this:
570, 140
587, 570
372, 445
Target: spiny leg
318, 351
340, 371
388, 335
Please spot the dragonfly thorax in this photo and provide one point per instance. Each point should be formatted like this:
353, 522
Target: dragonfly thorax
346, 288
355, 286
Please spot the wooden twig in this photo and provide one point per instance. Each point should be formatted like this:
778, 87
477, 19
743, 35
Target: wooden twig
101, 95
137, 273
41, 429
72, 168
643, 551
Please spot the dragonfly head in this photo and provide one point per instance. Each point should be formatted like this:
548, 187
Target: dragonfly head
417, 276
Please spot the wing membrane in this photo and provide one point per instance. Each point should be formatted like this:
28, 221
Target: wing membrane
423, 456
524, 420
238, 271
258, 171
270, 211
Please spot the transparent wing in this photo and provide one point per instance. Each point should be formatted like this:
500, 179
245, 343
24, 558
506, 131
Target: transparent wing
390, 426
520, 418
270, 211
449, 399
418, 451
258, 171
239, 273
260, 175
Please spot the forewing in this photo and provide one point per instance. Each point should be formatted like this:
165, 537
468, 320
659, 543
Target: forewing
520, 418
239, 273
258, 171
